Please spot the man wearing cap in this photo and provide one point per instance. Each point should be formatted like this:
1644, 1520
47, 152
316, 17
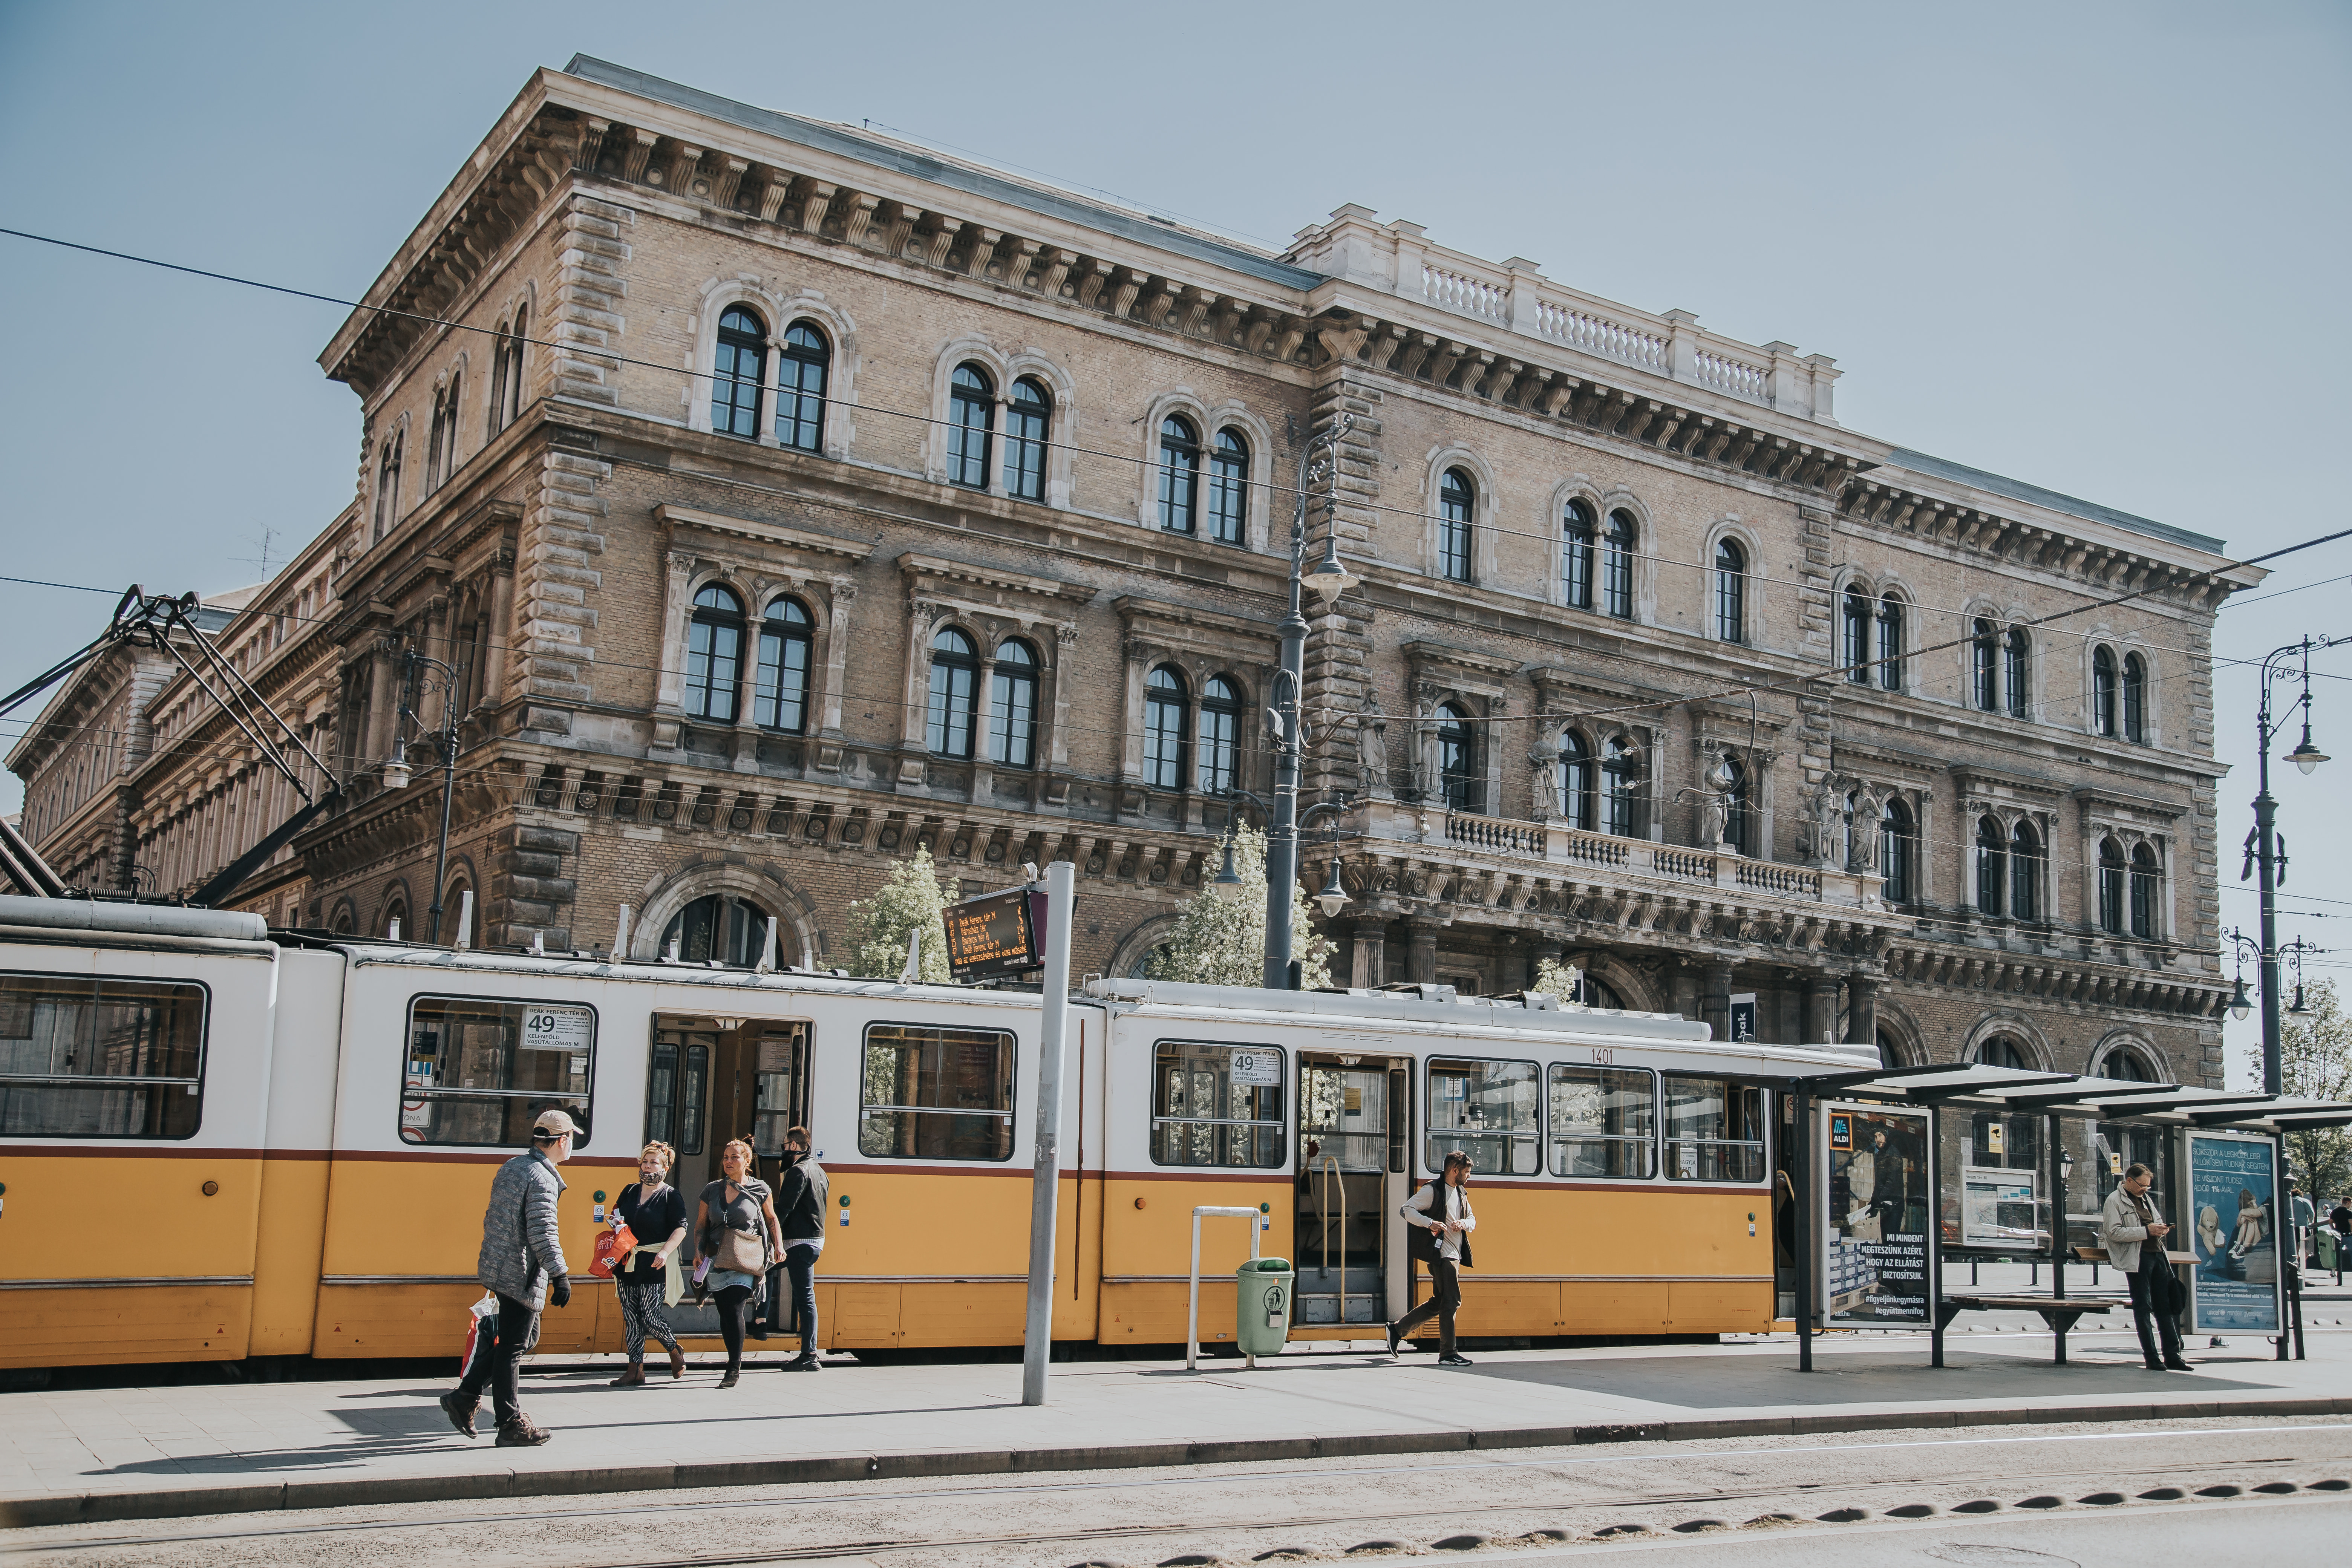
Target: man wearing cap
522, 1263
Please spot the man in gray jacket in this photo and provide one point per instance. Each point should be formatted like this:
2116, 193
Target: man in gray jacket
522, 1262
2134, 1234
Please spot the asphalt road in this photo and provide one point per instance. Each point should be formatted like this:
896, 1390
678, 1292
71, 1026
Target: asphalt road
2031, 1496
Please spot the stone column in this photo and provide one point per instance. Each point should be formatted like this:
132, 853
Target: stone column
1820, 1010
1372, 954
1862, 1010
1421, 952
1714, 999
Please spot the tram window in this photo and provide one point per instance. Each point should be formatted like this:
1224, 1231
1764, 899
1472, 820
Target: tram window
780, 1081
480, 1069
1603, 1122
1216, 1105
100, 1058
936, 1094
1715, 1131
1486, 1110
676, 1089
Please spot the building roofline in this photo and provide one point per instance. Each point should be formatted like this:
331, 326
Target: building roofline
2054, 500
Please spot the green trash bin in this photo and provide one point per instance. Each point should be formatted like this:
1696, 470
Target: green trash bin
1261, 1292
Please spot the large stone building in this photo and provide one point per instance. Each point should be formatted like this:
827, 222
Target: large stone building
788, 497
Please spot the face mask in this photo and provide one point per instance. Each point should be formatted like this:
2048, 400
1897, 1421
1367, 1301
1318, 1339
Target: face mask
794, 1156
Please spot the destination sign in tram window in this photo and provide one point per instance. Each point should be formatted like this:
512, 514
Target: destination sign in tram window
99, 1058
1216, 1105
480, 1070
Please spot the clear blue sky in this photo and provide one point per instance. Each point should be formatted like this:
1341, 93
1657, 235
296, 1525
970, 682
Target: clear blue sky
2100, 248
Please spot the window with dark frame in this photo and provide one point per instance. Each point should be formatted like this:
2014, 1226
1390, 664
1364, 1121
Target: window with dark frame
1992, 865
1857, 647
1013, 706
1715, 1131
1229, 489
955, 686
1166, 705
2145, 920
2113, 877
1897, 843
714, 654
1617, 565
1620, 798
2103, 692
2024, 873
1220, 728
1180, 475
2135, 699
1984, 659
1576, 556
100, 1057
1457, 760
971, 426
1574, 783
802, 371
1217, 1105
2017, 663
1730, 591
387, 486
480, 1070
1890, 643
781, 694
1739, 810
936, 1094
1456, 502
1028, 423
1486, 1110
1603, 1122
740, 366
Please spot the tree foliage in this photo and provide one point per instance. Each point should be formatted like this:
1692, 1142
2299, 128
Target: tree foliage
1222, 941
1561, 979
2315, 1063
909, 898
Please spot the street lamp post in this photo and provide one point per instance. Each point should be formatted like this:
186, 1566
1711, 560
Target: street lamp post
1317, 468
415, 669
2262, 850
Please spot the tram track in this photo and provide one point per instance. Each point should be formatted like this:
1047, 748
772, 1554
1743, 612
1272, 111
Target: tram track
1854, 1498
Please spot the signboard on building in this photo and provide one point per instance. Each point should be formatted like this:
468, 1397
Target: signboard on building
2232, 1220
1743, 1015
1877, 1266
997, 934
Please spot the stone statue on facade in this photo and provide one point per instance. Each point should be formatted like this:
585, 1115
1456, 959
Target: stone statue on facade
1861, 853
1372, 749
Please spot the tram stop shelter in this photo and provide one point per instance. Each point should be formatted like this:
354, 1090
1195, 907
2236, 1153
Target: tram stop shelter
1889, 1175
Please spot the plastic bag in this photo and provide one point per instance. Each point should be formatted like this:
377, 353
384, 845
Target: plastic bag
612, 1248
481, 1310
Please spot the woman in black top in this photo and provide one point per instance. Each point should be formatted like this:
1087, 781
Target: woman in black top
650, 1208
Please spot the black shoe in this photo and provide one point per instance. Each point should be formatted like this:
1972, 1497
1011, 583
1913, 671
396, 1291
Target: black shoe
2177, 1364
2156, 1366
803, 1364
1395, 1339
459, 1408
734, 1376
1451, 1359
522, 1432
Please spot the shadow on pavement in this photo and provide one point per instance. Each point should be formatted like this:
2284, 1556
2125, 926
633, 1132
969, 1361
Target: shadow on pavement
1738, 1383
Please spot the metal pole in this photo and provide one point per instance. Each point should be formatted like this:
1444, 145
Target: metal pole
2057, 1225
1045, 1183
1801, 1178
1193, 1302
2266, 822
1282, 832
441, 856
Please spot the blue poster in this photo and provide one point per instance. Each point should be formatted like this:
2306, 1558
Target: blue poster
2234, 1229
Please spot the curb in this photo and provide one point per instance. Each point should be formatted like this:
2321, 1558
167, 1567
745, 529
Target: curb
182, 1502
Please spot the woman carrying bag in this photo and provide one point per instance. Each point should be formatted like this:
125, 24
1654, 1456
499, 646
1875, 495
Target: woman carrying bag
650, 1208
740, 1236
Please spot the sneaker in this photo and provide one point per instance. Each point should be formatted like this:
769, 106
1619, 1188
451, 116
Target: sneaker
1451, 1360
803, 1364
459, 1408
522, 1432
1394, 1339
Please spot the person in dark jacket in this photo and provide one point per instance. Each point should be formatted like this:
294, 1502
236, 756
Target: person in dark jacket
800, 1212
1439, 1224
522, 1263
654, 1213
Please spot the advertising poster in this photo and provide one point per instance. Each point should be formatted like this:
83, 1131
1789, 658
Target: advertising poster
1742, 1021
2232, 1227
2000, 1207
1876, 1267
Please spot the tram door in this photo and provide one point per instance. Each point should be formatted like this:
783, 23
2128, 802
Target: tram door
1352, 1120
714, 1080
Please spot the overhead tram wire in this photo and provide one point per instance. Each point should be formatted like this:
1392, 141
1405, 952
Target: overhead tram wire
610, 356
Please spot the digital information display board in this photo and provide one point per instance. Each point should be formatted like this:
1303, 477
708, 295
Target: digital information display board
997, 934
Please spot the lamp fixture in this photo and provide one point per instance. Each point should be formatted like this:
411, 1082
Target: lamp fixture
2300, 1009
2065, 1164
1333, 896
2241, 1004
1330, 578
395, 772
1227, 883
2305, 755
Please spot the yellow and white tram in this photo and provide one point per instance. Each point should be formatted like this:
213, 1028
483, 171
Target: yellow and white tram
214, 1145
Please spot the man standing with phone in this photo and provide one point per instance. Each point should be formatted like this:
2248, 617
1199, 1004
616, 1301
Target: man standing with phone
2134, 1234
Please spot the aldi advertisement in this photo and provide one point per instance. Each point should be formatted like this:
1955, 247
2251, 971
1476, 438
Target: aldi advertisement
1876, 1265
2231, 1217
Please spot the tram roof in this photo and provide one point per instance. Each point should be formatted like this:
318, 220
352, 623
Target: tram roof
2079, 1097
105, 917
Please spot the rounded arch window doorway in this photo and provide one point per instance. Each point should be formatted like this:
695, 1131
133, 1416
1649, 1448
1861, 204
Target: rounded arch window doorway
723, 928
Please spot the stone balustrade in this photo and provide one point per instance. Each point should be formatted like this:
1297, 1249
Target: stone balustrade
1556, 843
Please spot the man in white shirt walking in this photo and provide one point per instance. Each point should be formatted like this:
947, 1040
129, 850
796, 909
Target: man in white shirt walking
1440, 1223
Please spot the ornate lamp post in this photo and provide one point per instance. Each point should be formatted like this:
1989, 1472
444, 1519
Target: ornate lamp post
416, 670
2264, 846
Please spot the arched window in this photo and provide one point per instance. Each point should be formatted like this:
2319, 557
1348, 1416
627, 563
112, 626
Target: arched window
2103, 692
2001, 1052
1897, 843
1576, 556
1992, 856
739, 369
1457, 759
497, 411
2111, 886
780, 690
800, 388
1984, 666
1457, 502
1890, 643
1730, 591
2017, 667
1621, 803
1027, 429
721, 928
2024, 873
1165, 699
1180, 475
1858, 636
1739, 811
1013, 706
955, 684
1229, 489
517, 343
1220, 731
441, 456
2134, 698
1617, 565
714, 654
2128, 1063
397, 922
2146, 918
1574, 785
387, 486
971, 425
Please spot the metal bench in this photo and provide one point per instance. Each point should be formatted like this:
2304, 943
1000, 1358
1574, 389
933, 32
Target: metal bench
2061, 1312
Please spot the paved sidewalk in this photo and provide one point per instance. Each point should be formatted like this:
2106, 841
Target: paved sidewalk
156, 1452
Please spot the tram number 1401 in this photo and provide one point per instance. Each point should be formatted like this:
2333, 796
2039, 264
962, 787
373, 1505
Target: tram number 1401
1603, 1055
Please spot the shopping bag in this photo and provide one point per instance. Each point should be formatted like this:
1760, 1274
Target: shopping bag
477, 1336
612, 1248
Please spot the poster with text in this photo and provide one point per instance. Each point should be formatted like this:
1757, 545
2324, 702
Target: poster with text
1876, 1268
2232, 1224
